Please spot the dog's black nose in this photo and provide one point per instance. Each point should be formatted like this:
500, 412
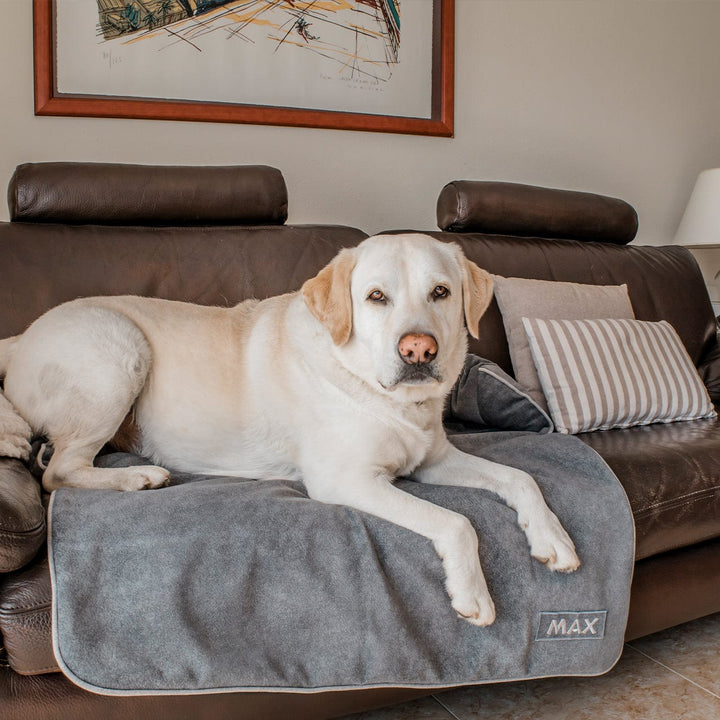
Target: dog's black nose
417, 348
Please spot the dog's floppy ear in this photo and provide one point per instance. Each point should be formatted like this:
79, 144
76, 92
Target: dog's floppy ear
477, 294
327, 296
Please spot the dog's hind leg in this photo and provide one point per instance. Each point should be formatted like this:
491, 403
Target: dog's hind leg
71, 465
74, 375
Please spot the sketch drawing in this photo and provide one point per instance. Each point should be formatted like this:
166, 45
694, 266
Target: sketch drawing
358, 38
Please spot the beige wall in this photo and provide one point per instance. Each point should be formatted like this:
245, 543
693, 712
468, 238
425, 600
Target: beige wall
611, 96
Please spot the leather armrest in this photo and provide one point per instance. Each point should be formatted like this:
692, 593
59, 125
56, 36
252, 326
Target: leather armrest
22, 515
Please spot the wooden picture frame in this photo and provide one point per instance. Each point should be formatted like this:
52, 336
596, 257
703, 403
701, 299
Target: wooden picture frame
48, 101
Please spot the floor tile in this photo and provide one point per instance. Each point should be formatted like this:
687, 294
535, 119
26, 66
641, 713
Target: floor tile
636, 689
671, 675
423, 709
692, 650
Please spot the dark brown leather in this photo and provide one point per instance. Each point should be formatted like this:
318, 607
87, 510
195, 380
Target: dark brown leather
44, 265
513, 209
674, 587
671, 474
108, 194
22, 516
25, 619
53, 697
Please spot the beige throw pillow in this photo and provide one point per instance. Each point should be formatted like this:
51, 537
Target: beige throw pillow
550, 300
603, 374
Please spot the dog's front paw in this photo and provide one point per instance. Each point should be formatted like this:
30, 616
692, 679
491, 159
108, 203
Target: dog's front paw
551, 545
464, 579
468, 591
15, 435
477, 607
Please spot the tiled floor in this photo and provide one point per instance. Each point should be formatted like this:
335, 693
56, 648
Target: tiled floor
672, 675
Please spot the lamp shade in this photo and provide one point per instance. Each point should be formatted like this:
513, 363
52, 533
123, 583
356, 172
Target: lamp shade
700, 225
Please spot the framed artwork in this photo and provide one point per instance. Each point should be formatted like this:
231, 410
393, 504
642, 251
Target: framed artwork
377, 65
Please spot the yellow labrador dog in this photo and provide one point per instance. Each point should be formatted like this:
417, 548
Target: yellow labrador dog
341, 384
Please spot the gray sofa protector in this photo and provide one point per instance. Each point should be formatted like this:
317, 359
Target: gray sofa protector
221, 584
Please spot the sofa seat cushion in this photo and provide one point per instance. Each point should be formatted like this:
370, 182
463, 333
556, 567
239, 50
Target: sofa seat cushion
671, 474
25, 618
22, 516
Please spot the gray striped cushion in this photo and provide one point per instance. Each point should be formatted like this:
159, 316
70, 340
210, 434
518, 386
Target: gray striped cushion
601, 374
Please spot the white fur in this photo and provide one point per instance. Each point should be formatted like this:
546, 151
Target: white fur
261, 390
15, 433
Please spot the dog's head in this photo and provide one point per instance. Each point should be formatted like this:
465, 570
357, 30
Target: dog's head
396, 307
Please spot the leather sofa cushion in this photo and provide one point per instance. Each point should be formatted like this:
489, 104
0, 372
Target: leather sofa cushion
22, 516
671, 474
25, 619
109, 194
513, 209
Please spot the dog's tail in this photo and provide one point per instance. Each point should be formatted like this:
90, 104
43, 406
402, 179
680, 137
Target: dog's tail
5, 352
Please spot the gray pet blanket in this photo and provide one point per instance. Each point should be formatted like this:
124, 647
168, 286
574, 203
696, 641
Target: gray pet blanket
220, 584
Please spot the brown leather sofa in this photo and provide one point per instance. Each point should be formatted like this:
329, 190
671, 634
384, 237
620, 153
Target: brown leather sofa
217, 236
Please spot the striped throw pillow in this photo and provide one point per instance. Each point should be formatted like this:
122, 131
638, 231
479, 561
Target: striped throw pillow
602, 374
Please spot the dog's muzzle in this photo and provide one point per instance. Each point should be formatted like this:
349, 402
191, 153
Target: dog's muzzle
416, 374
418, 351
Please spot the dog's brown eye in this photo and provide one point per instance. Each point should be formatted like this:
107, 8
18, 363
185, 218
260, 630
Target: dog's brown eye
377, 296
440, 292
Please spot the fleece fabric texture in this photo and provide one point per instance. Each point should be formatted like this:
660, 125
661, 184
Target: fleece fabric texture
217, 584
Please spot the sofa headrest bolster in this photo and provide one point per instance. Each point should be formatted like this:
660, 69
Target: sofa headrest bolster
500, 208
150, 195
